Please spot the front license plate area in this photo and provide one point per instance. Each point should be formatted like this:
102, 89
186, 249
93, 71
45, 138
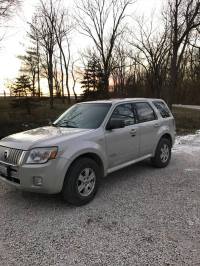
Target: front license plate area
3, 170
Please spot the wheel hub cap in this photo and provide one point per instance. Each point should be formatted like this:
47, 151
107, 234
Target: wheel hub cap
164, 153
86, 182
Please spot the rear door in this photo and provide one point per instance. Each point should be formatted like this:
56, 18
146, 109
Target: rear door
148, 127
122, 143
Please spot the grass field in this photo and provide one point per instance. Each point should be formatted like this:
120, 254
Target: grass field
187, 120
14, 119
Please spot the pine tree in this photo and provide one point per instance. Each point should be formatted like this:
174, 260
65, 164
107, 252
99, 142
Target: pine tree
30, 66
22, 86
92, 78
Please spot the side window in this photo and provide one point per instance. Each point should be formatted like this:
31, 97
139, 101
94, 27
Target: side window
163, 109
145, 112
124, 112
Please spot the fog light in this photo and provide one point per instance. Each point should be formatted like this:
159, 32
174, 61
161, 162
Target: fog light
37, 181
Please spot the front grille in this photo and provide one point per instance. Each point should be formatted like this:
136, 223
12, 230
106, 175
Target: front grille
10, 155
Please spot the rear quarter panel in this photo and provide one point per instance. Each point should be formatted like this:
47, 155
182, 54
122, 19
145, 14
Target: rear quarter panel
166, 127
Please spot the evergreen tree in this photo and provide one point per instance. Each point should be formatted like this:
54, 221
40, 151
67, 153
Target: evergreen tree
30, 66
22, 86
92, 78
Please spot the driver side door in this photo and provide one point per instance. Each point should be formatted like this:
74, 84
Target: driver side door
122, 143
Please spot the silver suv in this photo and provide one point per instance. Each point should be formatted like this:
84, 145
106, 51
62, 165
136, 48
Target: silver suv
89, 141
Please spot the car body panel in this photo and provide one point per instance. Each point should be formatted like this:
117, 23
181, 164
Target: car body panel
121, 146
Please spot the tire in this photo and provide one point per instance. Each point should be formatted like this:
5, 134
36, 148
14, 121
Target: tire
81, 182
163, 154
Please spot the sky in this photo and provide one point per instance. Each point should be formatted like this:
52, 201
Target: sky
15, 38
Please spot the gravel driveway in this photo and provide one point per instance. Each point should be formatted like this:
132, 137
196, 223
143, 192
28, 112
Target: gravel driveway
141, 216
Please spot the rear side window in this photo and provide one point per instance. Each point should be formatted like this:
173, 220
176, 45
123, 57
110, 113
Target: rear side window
145, 112
163, 109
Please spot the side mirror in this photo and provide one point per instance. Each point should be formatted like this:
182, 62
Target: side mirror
115, 123
49, 122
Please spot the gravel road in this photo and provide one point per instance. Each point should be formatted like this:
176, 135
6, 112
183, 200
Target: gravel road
141, 216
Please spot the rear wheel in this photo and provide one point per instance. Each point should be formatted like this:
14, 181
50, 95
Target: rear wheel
81, 182
163, 154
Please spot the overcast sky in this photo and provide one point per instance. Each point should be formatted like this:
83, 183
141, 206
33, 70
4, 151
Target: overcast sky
15, 36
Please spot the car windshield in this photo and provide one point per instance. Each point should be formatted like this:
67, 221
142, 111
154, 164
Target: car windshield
84, 115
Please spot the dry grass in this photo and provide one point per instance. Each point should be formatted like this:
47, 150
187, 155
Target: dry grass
13, 120
187, 120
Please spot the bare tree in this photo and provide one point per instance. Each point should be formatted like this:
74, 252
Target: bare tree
153, 48
189, 74
103, 22
120, 70
34, 38
184, 18
43, 27
74, 78
62, 77
62, 28
7, 7
57, 82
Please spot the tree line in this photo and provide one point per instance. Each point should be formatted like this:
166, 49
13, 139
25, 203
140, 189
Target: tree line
126, 56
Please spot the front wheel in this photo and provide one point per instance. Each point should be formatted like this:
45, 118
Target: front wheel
163, 154
81, 182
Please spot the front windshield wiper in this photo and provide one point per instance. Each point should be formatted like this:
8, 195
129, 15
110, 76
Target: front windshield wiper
64, 124
54, 125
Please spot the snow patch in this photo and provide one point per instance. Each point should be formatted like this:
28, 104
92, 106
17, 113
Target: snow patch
187, 144
192, 170
193, 107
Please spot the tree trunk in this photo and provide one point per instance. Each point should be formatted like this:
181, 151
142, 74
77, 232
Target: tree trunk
173, 78
62, 78
50, 78
66, 64
33, 85
38, 70
105, 92
38, 82
67, 80
75, 95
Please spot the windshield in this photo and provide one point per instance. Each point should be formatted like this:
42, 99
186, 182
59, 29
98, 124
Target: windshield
85, 115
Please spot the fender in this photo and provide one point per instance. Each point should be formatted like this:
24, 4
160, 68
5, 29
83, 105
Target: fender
73, 152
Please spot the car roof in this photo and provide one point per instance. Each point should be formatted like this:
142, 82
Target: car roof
115, 101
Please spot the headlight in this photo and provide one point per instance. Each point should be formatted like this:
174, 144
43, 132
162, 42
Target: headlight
41, 155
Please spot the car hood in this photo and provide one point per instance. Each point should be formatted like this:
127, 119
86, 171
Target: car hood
41, 137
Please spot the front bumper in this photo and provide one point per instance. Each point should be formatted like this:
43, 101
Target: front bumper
51, 173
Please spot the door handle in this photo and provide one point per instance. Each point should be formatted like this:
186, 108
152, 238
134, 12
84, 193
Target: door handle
156, 125
133, 132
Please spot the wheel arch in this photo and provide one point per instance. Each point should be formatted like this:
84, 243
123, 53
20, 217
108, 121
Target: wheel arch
167, 136
91, 155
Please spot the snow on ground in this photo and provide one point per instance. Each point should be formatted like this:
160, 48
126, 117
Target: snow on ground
194, 107
188, 143
189, 146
